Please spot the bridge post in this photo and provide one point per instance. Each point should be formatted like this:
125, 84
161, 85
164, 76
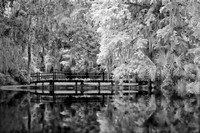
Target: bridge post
99, 86
52, 87
42, 87
76, 91
38, 76
54, 75
53, 90
82, 87
112, 89
86, 75
35, 87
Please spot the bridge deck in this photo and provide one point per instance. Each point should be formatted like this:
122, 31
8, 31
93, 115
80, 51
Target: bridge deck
59, 84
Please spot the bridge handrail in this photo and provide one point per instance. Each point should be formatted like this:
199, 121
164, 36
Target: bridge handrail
64, 75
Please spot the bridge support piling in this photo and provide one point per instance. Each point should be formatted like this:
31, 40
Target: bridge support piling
38, 76
42, 87
54, 98
37, 99
103, 100
52, 90
86, 101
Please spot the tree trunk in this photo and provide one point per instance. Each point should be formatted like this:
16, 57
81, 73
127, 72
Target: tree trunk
29, 77
43, 68
108, 70
29, 62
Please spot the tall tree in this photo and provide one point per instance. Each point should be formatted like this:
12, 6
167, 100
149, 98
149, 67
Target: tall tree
157, 39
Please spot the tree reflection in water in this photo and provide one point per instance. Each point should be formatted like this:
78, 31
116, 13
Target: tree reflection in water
48, 117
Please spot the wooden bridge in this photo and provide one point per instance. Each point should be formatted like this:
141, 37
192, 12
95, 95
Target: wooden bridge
58, 84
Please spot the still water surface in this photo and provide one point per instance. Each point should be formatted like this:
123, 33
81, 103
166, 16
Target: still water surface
46, 117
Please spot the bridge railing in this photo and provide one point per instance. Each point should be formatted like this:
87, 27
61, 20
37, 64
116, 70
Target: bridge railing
71, 76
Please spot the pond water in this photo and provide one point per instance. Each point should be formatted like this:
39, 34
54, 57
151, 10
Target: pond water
46, 117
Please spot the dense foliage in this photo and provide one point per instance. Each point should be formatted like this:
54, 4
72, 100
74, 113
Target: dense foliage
58, 32
156, 40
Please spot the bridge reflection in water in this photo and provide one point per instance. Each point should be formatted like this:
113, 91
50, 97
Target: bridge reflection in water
76, 87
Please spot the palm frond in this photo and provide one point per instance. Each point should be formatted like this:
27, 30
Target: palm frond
162, 59
181, 87
193, 88
178, 72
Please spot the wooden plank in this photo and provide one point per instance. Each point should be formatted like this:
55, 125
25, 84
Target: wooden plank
87, 92
67, 83
97, 92
67, 92
40, 91
66, 80
130, 91
15, 87
97, 83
